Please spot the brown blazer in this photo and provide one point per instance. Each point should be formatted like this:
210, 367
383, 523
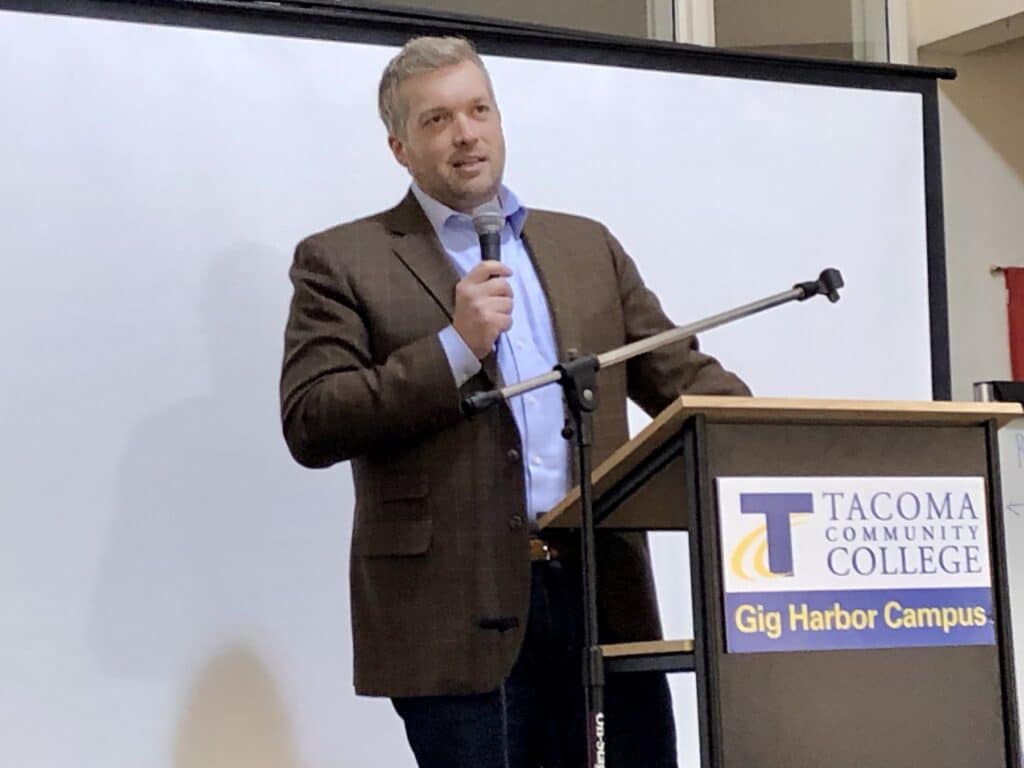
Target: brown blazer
440, 569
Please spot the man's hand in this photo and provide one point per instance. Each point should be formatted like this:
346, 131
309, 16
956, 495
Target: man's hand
483, 306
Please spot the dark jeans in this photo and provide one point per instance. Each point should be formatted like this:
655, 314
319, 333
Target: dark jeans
537, 717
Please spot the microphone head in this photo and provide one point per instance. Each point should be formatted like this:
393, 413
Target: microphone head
488, 219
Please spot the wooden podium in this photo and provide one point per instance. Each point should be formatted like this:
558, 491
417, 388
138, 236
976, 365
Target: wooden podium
903, 706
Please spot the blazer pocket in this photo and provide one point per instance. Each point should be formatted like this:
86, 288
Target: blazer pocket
404, 487
392, 538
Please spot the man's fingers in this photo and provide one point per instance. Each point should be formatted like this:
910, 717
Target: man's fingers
485, 291
500, 304
497, 288
485, 270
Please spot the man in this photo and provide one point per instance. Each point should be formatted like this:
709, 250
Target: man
460, 615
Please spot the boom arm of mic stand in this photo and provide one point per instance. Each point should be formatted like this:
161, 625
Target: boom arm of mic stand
828, 284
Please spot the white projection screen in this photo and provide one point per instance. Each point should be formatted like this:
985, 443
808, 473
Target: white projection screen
175, 586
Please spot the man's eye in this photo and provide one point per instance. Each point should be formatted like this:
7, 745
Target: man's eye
482, 108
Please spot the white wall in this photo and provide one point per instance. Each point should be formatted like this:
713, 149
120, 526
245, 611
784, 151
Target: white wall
982, 116
933, 20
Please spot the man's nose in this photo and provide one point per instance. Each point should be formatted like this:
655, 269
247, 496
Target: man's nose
465, 130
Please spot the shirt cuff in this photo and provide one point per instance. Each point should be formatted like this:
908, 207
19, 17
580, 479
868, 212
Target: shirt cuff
463, 362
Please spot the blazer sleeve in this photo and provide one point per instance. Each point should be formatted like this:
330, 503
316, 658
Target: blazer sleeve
336, 402
657, 378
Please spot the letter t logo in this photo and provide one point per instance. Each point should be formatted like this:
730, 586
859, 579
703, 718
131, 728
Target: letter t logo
777, 508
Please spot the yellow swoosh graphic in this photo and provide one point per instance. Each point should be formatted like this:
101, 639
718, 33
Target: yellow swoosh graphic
760, 558
743, 546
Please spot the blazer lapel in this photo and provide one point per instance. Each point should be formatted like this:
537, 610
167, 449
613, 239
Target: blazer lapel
555, 268
416, 245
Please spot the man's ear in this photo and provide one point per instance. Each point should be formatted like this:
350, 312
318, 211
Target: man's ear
398, 150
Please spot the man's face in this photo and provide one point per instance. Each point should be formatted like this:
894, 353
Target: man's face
453, 144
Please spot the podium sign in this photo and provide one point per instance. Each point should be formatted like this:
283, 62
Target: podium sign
828, 563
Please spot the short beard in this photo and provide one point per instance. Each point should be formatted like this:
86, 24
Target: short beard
466, 200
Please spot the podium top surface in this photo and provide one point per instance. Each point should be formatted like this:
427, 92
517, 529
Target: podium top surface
775, 410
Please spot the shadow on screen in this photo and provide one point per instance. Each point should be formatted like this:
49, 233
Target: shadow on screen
219, 538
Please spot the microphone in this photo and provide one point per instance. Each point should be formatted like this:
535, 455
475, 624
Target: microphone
488, 220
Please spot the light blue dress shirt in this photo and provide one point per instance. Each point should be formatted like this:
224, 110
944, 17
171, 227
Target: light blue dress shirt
527, 349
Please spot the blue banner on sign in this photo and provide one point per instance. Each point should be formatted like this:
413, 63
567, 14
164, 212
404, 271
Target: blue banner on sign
759, 622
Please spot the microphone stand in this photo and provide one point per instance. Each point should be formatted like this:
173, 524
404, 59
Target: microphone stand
578, 378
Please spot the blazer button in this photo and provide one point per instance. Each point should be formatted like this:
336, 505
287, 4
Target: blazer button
516, 522
512, 455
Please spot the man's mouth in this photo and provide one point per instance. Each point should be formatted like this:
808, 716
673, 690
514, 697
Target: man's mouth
469, 162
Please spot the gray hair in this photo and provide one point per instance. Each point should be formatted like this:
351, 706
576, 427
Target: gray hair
419, 56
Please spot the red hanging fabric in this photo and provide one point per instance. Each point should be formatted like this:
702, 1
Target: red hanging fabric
1015, 315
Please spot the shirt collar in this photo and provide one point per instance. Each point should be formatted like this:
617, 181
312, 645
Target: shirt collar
441, 215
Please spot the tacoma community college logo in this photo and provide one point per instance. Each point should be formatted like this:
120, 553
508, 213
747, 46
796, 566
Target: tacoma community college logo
826, 563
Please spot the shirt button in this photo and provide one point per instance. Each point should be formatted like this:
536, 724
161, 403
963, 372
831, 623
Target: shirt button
531, 400
536, 461
516, 522
512, 455
519, 346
